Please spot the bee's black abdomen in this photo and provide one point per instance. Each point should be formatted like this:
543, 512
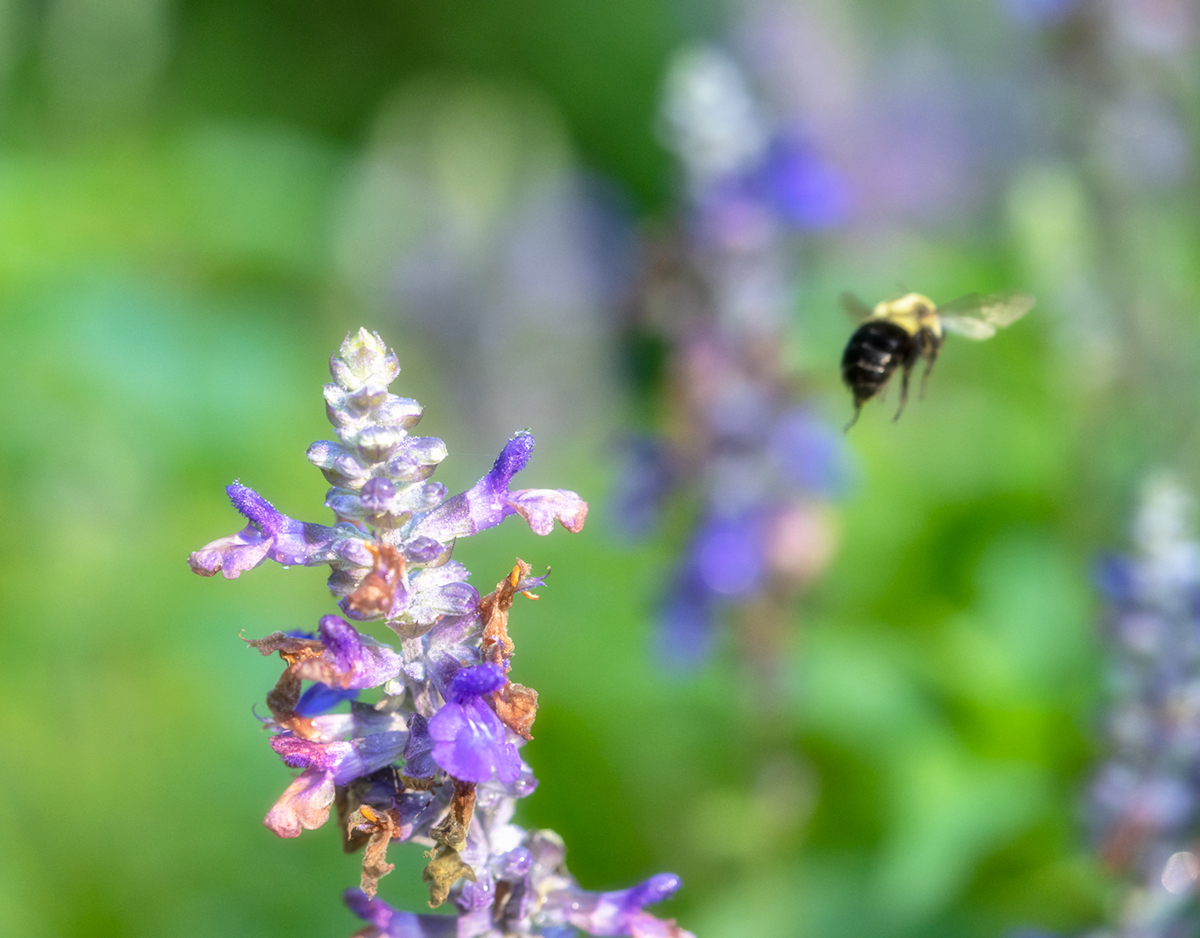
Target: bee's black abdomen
872, 354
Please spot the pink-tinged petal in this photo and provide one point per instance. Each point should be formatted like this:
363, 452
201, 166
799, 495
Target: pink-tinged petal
231, 556
303, 806
541, 507
344, 761
645, 925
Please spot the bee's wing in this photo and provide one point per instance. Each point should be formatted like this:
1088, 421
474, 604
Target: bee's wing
995, 309
855, 308
967, 326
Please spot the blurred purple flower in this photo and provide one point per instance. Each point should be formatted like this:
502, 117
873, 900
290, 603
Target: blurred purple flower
806, 192
1040, 13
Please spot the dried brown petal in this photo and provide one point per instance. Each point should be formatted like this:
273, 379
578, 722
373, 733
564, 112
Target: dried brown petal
379, 827
445, 868
376, 594
377, 791
494, 607
284, 697
282, 701
290, 648
516, 706
419, 784
451, 831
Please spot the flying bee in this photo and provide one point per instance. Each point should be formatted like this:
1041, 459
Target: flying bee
899, 333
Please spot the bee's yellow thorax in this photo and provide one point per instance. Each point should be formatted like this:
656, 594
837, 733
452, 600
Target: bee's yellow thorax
911, 312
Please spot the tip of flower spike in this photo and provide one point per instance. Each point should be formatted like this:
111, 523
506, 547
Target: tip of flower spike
363, 358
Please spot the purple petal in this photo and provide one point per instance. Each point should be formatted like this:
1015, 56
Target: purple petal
231, 556
392, 923
613, 913
470, 743
418, 763
344, 761
807, 192
272, 535
321, 698
304, 805
364, 661
350, 660
488, 501
342, 641
479, 894
512, 459
256, 509
513, 865
474, 682
483, 505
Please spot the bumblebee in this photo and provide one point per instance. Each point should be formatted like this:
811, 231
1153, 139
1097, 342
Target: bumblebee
899, 333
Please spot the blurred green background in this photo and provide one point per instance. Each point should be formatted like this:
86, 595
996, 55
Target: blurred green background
182, 246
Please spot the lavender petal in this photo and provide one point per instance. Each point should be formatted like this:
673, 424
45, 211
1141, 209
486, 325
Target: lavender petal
471, 744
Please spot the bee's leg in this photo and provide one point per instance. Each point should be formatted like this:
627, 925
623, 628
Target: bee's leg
908, 366
930, 357
854, 419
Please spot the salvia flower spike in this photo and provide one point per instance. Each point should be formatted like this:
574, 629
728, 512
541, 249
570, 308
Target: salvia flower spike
437, 761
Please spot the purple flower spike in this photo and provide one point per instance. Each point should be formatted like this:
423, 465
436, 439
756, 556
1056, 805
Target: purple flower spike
433, 759
488, 501
469, 741
392, 923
